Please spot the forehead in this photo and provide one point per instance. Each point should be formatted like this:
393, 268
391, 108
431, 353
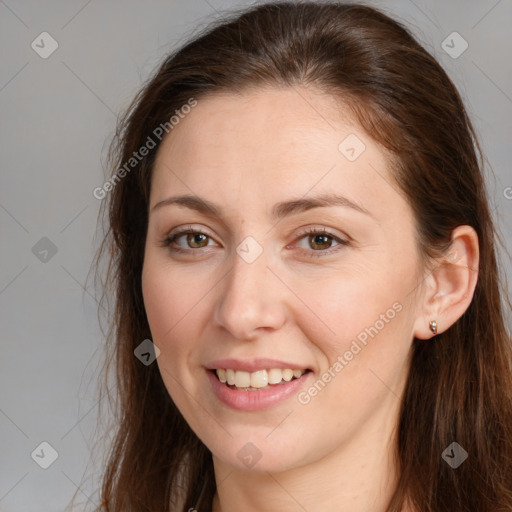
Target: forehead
265, 141
258, 121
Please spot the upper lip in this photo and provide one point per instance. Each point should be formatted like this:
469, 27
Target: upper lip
253, 365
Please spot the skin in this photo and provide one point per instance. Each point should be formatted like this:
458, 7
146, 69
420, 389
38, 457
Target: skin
246, 153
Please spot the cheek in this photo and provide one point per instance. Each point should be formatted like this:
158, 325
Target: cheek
169, 306
361, 333
170, 296
159, 302
348, 304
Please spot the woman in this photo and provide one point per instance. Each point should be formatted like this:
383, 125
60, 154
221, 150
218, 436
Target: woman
300, 235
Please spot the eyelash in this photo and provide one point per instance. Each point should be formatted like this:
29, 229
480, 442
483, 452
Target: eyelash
166, 242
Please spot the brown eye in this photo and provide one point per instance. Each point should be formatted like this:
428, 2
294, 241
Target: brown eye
319, 242
187, 240
197, 240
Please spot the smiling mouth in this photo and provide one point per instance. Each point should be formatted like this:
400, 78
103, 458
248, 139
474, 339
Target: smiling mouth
259, 380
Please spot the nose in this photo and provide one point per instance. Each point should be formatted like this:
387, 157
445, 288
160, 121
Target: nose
251, 300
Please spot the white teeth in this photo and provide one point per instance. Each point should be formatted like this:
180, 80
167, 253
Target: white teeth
287, 375
242, 379
275, 376
222, 375
230, 376
259, 379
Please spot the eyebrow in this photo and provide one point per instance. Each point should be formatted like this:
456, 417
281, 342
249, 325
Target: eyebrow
279, 211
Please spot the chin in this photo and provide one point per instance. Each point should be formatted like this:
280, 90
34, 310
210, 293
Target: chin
260, 455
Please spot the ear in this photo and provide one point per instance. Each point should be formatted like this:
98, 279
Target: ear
450, 286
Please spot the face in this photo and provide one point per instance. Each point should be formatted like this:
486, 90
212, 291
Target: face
293, 256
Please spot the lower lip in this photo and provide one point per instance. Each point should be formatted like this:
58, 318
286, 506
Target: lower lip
255, 400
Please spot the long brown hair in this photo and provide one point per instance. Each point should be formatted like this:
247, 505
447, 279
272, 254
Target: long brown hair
459, 386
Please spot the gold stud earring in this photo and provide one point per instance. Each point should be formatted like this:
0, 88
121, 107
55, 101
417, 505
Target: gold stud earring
433, 326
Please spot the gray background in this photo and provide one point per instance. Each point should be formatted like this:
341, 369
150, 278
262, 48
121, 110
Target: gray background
56, 116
